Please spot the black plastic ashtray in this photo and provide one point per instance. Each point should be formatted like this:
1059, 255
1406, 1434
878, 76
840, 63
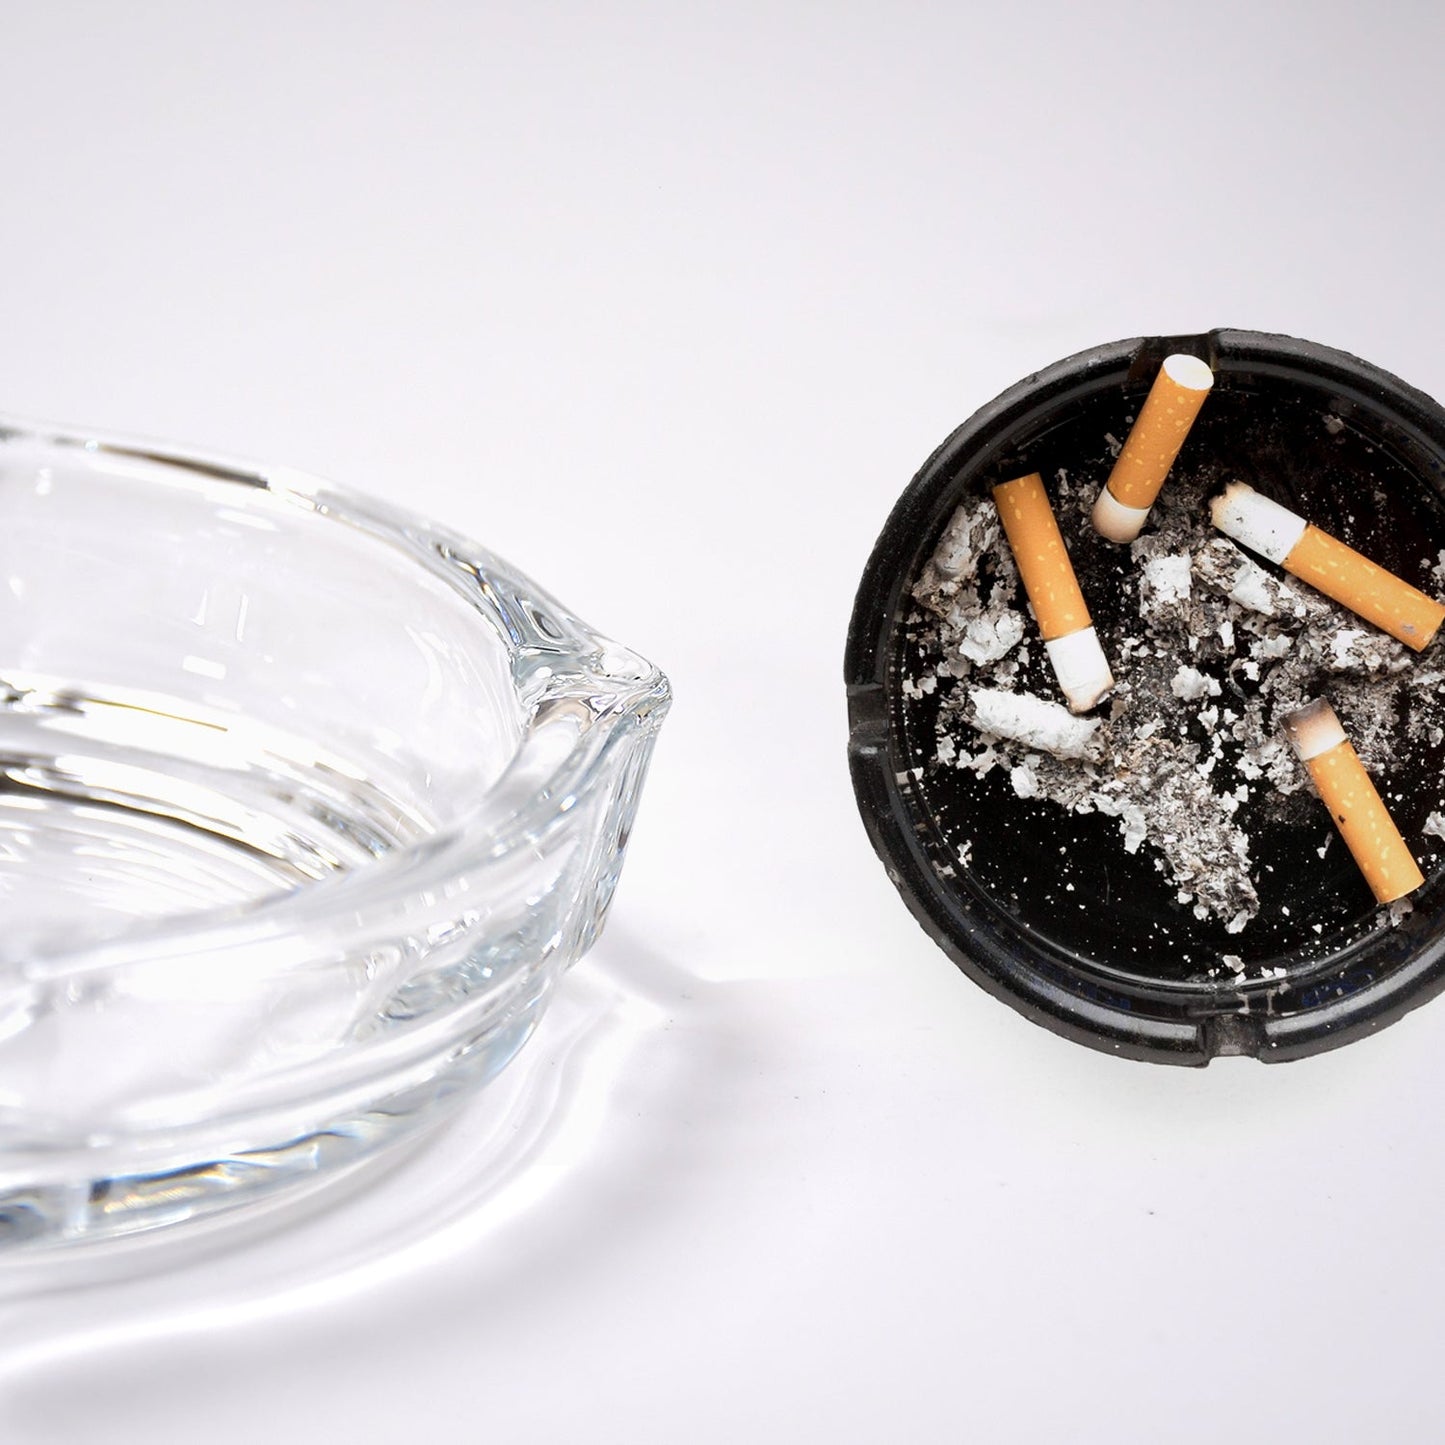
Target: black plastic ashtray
1047, 908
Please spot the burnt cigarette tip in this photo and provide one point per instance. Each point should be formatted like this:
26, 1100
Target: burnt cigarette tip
1116, 522
1313, 729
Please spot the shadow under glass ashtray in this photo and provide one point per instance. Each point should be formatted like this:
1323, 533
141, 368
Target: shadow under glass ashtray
305, 805
1170, 888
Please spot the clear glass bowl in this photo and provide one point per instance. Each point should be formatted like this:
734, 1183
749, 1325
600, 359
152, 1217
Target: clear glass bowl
304, 807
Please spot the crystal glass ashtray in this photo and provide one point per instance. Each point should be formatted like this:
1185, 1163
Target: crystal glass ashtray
305, 805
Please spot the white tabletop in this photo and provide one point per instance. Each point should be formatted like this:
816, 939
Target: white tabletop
666, 304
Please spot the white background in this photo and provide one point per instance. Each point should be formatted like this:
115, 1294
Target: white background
666, 303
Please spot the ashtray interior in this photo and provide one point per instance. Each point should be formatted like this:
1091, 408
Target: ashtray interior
210, 692
1061, 908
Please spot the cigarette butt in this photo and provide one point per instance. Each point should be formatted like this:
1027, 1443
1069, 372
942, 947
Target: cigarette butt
1053, 591
1164, 421
1359, 814
1328, 565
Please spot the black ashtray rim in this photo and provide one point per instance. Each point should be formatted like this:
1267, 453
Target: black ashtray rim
1368, 985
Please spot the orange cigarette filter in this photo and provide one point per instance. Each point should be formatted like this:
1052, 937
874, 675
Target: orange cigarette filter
1356, 807
1326, 563
1053, 591
1043, 560
1365, 588
1164, 421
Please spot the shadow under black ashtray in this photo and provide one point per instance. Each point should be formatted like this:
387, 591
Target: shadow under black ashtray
1049, 882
